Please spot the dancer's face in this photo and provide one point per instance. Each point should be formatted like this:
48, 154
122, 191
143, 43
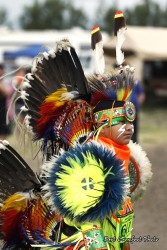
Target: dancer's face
120, 133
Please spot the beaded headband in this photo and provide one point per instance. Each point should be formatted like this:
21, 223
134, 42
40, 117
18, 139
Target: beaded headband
128, 112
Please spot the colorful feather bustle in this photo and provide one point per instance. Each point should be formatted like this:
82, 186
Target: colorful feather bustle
39, 222
56, 80
52, 74
26, 221
11, 215
77, 126
63, 119
86, 183
24, 216
50, 110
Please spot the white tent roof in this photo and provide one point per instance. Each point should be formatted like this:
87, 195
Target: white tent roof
23, 38
20, 37
12, 40
145, 42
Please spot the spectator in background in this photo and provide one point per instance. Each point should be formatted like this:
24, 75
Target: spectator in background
18, 81
3, 105
19, 77
137, 98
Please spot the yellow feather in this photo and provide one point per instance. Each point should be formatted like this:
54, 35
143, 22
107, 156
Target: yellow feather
17, 201
123, 94
56, 97
120, 94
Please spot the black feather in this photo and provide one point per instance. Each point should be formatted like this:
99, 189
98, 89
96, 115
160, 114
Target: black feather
71, 70
15, 174
82, 84
49, 74
39, 86
33, 103
40, 95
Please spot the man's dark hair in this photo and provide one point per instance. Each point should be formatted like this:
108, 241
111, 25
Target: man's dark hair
108, 104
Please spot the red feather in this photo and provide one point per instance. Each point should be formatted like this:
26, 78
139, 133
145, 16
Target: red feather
11, 222
49, 114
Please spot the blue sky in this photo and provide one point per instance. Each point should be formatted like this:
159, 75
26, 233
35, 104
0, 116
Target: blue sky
14, 7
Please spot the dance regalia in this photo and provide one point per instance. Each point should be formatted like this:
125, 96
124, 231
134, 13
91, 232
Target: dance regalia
29, 219
83, 190
120, 222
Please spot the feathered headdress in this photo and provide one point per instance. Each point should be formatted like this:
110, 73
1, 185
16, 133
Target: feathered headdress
97, 47
110, 95
119, 32
110, 91
56, 97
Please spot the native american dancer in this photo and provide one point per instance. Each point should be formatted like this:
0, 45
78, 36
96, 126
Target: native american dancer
83, 196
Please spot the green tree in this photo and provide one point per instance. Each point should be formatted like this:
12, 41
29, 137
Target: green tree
105, 18
74, 17
100, 13
147, 13
164, 18
52, 14
109, 20
3, 16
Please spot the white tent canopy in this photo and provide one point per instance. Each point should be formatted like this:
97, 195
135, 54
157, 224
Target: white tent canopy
148, 43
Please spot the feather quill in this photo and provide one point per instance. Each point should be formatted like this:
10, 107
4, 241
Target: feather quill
119, 32
97, 47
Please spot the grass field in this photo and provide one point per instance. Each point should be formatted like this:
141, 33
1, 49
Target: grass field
153, 126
